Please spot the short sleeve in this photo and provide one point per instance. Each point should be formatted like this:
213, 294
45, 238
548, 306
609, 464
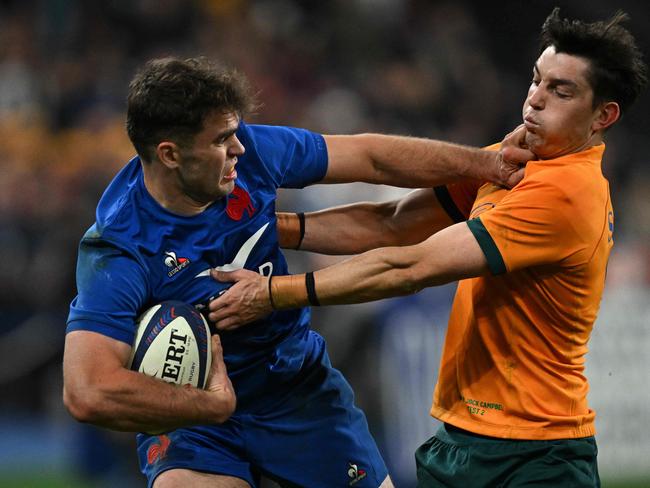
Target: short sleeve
531, 226
294, 157
457, 199
112, 291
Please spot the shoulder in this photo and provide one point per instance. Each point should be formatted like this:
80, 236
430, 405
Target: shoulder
119, 217
117, 195
569, 172
574, 195
577, 184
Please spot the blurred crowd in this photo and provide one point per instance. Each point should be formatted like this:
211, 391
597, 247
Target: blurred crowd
456, 70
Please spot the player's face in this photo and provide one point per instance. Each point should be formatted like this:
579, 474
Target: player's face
558, 112
207, 170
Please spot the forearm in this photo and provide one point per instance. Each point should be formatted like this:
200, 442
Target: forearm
356, 228
431, 162
374, 275
449, 255
132, 401
407, 161
347, 229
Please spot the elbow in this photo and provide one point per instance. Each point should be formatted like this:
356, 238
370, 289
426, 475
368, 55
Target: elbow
391, 232
81, 406
411, 285
417, 278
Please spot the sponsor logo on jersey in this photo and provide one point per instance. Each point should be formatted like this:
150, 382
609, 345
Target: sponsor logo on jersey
355, 473
484, 207
239, 201
174, 263
158, 449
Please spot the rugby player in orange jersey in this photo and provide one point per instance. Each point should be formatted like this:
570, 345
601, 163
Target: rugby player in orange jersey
511, 391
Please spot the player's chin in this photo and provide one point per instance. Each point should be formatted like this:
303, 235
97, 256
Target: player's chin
224, 189
533, 141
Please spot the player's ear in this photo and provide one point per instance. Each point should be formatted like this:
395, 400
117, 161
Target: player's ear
168, 154
606, 115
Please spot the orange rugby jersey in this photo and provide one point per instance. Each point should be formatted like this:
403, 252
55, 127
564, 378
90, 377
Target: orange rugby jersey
514, 354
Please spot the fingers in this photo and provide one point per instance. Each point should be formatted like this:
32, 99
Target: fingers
217, 353
221, 313
218, 367
518, 135
219, 309
224, 319
227, 324
244, 302
218, 372
516, 138
219, 383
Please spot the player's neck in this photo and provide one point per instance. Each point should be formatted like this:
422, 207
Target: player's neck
164, 189
595, 140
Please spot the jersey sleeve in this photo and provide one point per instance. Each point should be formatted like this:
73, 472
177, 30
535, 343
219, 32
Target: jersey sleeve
457, 199
294, 157
531, 226
112, 290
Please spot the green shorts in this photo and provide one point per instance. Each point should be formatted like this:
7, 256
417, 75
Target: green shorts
456, 458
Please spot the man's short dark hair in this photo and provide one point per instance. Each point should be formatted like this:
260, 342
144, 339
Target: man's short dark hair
170, 98
618, 72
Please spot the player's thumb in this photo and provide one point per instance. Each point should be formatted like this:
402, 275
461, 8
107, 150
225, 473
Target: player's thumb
217, 366
218, 379
219, 382
223, 276
518, 154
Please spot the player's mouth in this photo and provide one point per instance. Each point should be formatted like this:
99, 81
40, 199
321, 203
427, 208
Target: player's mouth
531, 124
231, 176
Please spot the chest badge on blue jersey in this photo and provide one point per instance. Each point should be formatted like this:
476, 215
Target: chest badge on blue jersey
239, 201
174, 263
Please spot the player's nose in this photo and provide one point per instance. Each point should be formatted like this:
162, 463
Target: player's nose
237, 148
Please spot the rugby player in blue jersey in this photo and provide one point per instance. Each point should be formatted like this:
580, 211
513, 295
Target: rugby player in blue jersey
200, 195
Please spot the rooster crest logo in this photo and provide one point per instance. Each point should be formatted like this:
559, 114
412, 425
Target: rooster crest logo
355, 474
158, 449
239, 201
174, 263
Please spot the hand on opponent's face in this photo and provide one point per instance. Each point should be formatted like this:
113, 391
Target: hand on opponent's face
513, 156
245, 301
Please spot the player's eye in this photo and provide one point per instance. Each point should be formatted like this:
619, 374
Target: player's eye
222, 140
562, 94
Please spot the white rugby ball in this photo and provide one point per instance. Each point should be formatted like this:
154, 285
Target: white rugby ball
172, 343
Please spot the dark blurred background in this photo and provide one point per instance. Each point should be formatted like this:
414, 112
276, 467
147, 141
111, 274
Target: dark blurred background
457, 71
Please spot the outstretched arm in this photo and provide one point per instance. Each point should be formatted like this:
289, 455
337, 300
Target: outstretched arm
355, 228
416, 162
449, 255
359, 227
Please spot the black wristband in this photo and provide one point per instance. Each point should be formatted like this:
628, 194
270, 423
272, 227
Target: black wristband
311, 289
271, 293
301, 220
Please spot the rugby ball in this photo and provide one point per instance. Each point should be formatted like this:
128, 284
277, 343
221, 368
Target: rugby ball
172, 343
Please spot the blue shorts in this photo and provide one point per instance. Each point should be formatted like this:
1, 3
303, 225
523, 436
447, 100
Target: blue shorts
315, 438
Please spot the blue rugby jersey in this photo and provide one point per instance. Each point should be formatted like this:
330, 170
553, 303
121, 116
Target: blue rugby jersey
138, 254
